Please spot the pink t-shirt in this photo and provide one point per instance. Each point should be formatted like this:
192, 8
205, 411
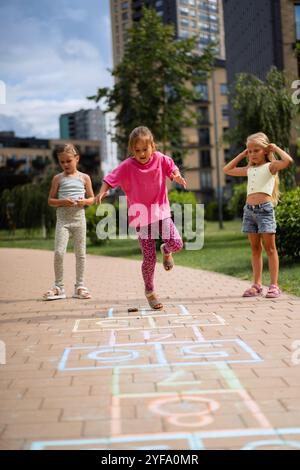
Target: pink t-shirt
145, 187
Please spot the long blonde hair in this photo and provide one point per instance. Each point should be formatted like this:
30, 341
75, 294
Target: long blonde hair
262, 140
141, 132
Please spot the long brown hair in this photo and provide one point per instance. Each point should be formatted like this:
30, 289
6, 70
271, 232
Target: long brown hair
262, 140
138, 133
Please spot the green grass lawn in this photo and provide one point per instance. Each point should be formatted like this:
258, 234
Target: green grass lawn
226, 251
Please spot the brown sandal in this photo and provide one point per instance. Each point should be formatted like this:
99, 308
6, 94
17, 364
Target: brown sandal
168, 261
153, 301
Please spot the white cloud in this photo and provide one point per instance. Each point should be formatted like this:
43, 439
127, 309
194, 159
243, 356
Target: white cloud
38, 117
49, 69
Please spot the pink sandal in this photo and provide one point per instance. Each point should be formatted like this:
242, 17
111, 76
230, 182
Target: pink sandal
273, 292
253, 291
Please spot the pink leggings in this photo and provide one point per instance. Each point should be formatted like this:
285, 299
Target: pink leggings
169, 233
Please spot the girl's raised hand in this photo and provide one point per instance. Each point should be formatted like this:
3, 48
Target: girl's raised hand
100, 196
180, 180
272, 148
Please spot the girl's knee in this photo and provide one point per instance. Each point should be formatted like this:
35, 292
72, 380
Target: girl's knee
271, 250
58, 255
175, 245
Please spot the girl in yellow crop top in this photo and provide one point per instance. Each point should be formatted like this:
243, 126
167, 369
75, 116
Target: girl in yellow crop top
262, 195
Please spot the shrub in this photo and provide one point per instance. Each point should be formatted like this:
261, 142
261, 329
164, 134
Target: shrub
288, 224
91, 224
212, 211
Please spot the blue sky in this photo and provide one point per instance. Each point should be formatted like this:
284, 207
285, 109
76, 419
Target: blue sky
52, 55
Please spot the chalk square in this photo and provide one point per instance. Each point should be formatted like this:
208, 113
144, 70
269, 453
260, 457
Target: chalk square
141, 355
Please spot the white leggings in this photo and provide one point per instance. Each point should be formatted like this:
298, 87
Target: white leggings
70, 221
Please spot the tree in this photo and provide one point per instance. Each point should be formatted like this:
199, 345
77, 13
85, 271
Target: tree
26, 206
264, 106
156, 83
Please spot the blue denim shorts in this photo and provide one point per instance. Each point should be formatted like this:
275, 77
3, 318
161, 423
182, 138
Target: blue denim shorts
259, 218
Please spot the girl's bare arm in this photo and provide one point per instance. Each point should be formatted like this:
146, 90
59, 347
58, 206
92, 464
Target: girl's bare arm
231, 167
284, 162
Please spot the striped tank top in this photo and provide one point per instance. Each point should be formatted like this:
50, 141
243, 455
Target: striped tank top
71, 187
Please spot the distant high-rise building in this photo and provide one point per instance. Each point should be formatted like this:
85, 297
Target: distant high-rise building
203, 18
262, 33
85, 124
259, 34
189, 17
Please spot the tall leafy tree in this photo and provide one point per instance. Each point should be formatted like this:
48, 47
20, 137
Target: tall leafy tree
156, 83
264, 106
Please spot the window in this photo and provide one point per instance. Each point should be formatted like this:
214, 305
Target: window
202, 91
203, 116
204, 136
125, 16
297, 19
184, 23
214, 28
184, 34
225, 111
204, 26
205, 177
223, 89
184, 11
124, 5
205, 160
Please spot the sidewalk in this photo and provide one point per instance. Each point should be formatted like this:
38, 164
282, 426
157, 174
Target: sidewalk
212, 370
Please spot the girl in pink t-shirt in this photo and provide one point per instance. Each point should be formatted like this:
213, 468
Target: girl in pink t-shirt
142, 177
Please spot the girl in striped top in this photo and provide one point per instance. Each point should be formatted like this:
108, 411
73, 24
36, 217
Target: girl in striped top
70, 192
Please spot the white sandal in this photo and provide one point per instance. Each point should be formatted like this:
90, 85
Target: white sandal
55, 293
81, 292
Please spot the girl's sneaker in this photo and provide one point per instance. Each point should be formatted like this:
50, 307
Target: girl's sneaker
55, 293
273, 292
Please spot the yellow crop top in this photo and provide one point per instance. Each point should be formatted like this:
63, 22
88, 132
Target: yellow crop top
260, 179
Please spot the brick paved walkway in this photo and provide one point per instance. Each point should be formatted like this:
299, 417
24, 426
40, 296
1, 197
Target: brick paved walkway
212, 370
